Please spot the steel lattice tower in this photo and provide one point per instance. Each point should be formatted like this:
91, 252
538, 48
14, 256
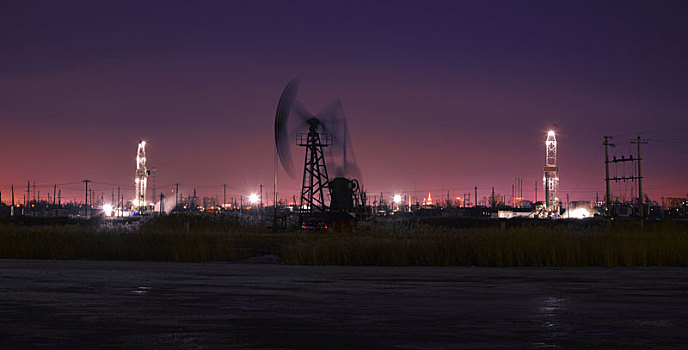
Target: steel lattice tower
551, 176
315, 179
141, 177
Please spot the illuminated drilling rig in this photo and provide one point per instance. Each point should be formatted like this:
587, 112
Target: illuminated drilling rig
551, 177
141, 177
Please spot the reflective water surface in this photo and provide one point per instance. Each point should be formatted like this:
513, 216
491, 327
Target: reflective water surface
107, 304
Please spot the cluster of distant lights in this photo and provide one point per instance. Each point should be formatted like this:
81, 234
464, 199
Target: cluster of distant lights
254, 198
576, 213
109, 210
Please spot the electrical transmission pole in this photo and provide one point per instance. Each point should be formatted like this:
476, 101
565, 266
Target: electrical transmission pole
623, 178
12, 209
638, 141
607, 195
260, 212
86, 195
176, 195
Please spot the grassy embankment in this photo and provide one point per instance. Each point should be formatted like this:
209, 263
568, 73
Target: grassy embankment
206, 238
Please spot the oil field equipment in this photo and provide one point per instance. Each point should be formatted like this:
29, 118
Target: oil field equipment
327, 146
141, 179
551, 176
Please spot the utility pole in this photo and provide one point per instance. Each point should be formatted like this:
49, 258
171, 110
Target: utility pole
224, 196
607, 195
567, 207
274, 193
261, 201
176, 195
119, 204
476, 196
86, 194
54, 193
154, 171
274, 209
162, 203
12, 209
624, 178
638, 141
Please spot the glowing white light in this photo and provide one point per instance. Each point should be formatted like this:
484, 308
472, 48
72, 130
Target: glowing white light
107, 208
550, 133
253, 198
579, 213
141, 178
397, 198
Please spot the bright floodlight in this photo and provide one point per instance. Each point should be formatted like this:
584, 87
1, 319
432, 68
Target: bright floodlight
253, 198
107, 208
397, 198
579, 213
550, 133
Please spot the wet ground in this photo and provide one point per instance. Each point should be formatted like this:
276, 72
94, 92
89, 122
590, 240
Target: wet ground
151, 305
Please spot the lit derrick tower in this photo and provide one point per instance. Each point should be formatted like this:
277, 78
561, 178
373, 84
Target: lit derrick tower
551, 177
141, 177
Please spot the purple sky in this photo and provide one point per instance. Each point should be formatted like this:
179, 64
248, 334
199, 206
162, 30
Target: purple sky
440, 96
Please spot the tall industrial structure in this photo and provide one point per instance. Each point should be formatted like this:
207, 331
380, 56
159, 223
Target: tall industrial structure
551, 177
327, 134
315, 179
141, 176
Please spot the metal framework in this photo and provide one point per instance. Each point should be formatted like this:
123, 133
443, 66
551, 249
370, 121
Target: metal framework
551, 176
608, 202
315, 179
141, 179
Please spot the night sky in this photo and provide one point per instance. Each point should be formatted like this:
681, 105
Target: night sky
440, 96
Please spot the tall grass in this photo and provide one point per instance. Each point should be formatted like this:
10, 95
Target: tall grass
216, 238
175, 238
663, 244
